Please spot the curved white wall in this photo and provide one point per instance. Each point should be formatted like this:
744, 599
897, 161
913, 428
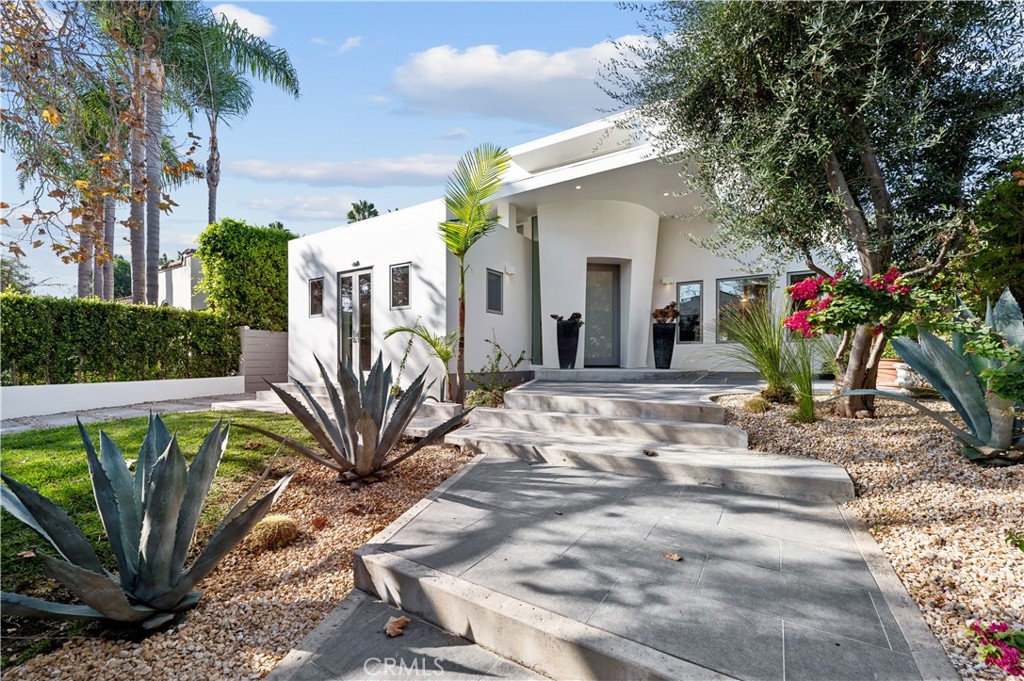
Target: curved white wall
575, 232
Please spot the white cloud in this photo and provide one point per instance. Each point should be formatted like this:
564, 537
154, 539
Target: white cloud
257, 24
455, 134
379, 99
321, 207
318, 41
351, 43
418, 170
548, 88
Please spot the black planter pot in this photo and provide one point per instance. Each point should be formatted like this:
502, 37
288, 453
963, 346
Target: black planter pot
568, 342
664, 343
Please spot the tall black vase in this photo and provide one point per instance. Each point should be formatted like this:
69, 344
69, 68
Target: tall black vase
664, 343
568, 342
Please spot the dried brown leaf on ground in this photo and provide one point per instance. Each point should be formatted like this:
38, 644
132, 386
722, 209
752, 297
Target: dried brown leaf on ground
673, 556
650, 452
395, 625
318, 522
253, 444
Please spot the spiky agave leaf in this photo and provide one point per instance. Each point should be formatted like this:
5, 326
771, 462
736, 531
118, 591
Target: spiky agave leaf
200, 478
169, 480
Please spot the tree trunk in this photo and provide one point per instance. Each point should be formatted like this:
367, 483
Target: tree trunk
212, 173
154, 169
860, 372
85, 252
100, 249
109, 218
136, 219
460, 361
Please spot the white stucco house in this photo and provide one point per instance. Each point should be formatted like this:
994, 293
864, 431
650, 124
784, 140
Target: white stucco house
586, 226
177, 282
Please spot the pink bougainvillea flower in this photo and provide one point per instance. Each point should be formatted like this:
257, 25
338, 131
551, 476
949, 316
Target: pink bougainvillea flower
799, 322
808, 289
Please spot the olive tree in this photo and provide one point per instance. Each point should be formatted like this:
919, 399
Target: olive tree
852, 129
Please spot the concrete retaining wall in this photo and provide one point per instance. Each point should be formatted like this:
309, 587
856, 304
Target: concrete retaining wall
38, 400
264, 357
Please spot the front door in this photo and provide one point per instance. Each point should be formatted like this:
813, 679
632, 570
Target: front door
354, 320
601, 319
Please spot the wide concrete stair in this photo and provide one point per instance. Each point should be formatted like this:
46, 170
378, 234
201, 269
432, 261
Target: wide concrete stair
669, 435
429, 416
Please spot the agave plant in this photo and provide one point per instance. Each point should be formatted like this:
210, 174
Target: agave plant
149, 518
368, 421
967, 380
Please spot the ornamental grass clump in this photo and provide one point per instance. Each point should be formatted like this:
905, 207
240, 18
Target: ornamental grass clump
757, 340
149, 517
368, 421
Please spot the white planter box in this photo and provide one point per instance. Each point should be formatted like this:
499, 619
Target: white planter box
39, 400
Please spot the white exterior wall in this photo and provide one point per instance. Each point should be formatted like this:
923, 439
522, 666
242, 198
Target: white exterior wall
575, 232
502, 250
405, 236
684, 261
177, 285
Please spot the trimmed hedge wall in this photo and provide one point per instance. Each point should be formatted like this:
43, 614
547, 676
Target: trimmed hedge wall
68, 340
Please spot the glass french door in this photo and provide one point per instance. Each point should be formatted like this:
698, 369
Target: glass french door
355, 291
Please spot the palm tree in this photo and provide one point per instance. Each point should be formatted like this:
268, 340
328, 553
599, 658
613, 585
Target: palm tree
213, 59
476, 178
361, 210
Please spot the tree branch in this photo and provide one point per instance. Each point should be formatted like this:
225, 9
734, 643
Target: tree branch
879, 196
811, 265
854, 217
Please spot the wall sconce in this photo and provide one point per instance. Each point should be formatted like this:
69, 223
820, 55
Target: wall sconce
668, 280
509, 270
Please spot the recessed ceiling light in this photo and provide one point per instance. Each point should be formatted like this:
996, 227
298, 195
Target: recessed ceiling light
665, 194
579, 187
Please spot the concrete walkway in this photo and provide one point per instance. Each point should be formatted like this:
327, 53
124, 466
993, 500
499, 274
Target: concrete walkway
563, 571
17, 425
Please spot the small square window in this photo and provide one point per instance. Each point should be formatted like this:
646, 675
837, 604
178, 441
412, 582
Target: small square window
738, 293
316, 297
797, 277
495, 294
690, 298
399, 286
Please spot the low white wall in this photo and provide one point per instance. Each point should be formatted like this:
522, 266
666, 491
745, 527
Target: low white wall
39, 400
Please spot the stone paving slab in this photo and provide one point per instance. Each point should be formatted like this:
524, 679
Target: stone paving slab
768, 588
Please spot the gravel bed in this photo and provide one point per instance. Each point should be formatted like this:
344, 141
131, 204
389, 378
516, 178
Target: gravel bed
940, 519
257, 606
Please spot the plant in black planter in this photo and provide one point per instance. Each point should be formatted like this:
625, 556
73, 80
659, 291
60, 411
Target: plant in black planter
665, 319
568, 338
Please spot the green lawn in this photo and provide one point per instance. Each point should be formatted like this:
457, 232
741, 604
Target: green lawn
53, 461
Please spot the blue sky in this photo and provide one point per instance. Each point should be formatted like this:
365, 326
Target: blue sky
392, 94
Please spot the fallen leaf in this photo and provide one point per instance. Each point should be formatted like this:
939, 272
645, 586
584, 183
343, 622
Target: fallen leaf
395, 625
26, 554
319, 522
650, 452
356, 509
253, 444
673, 556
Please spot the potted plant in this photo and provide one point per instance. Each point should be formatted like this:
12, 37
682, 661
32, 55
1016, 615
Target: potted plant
665, 319
886, 377
568, 334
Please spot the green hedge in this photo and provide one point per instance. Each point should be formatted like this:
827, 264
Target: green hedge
67, 340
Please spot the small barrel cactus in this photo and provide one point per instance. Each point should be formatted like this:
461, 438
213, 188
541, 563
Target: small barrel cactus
273, 532
757, 405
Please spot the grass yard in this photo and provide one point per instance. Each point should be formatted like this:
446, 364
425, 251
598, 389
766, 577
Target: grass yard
53, 461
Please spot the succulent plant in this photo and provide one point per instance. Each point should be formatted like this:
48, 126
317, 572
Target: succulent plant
975, 385
149, 518
367, 423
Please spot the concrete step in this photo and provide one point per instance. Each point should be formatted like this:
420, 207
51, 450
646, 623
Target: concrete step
660, 430
731, 468
619, 401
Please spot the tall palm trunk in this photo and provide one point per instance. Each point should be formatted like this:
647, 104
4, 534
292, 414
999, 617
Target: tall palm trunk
136, 220
212, 172
460, 361
101, 248
109, 218
154, 169
85, 252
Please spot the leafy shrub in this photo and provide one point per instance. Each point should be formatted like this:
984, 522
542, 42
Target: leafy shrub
757, 405
245, 273
69, 340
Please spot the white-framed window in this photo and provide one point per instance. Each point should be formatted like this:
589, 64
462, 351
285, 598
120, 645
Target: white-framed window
316, 297
690, 298
797, 277
739, 291
400, 282
495, 292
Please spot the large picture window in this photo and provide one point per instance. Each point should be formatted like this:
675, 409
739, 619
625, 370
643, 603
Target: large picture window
316, 297
690, 298
495, 295
399, 286
739, 292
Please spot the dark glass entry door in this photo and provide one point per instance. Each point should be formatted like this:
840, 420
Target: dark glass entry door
355, 335
601, 319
